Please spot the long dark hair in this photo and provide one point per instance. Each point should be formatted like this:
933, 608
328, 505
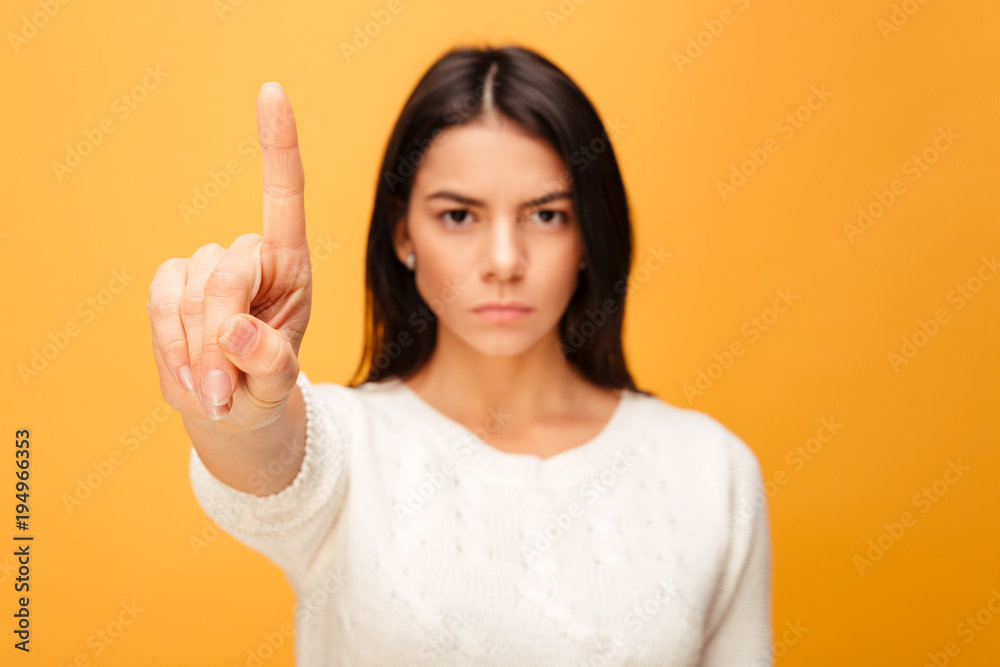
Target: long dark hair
523, 86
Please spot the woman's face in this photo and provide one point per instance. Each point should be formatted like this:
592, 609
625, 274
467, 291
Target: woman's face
491, 219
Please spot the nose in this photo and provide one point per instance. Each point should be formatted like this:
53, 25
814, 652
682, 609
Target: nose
504, 254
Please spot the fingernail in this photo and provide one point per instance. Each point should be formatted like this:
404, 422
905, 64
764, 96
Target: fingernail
217, 412
240, 337
214, 412
272, 83
216, 387
187, 380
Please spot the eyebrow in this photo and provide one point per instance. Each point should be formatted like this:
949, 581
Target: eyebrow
469, 201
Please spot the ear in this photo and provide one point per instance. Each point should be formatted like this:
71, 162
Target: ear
401, 240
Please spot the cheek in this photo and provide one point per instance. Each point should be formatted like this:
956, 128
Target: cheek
555, 281
440, 280
562, 266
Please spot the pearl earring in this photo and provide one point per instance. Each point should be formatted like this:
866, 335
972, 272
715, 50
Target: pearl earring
411, 261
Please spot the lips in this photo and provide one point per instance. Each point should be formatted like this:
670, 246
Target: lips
507, 305
496, 312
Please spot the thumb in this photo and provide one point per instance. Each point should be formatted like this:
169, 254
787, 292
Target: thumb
264, 355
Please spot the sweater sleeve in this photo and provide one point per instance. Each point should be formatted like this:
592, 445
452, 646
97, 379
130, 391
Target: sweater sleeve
288, 526
738, 626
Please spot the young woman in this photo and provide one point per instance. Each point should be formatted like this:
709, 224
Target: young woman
492, 488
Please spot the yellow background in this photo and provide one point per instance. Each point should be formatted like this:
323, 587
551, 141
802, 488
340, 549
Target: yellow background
683, 128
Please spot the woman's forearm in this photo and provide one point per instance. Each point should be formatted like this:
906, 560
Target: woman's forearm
263, 461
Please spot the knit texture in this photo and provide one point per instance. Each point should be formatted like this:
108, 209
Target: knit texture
409, 540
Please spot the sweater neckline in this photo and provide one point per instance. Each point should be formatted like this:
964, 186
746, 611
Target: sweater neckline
570, 466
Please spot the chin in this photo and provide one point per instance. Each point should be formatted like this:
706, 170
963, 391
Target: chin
501, 343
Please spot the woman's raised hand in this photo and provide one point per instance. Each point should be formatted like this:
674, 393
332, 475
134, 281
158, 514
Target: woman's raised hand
227, 323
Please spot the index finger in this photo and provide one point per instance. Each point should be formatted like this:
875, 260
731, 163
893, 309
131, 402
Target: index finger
284, 180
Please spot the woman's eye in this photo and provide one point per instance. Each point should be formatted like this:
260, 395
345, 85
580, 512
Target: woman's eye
548, 216
448, 216
461, 217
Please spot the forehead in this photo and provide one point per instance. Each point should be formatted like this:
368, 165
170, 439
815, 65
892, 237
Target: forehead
491, 158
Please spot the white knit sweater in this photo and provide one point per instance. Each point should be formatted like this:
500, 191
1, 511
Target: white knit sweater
409, 540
